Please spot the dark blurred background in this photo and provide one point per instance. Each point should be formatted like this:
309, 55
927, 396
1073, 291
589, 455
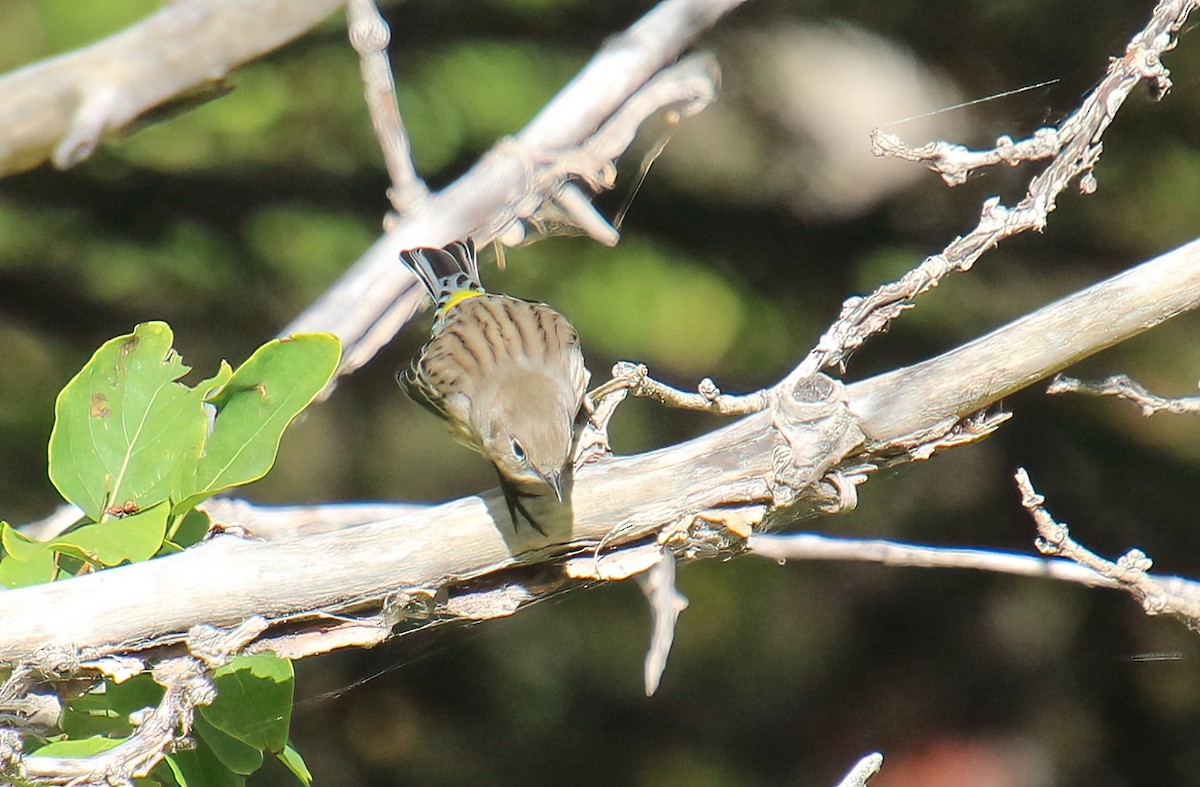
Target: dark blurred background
765, 212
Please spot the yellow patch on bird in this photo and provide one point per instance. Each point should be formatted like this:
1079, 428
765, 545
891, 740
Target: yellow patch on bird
458, 297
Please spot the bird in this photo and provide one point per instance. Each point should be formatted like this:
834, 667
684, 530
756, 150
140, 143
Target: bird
507, 375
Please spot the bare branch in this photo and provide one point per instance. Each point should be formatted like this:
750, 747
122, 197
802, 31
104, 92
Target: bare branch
955, 163
462, 549
574, 137
809, 546
1172, 595
863, 771
369, 36
665, 605
800, 456
1077, 148
60, 109
1123, 387
188, 685
277, 522
1078, 138
23, 708
898, 407
635, 378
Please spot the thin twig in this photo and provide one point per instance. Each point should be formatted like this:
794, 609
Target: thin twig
369, 36
1172, 595
1122, 387
955, 162
23, 708
863, 771
635, 378
808, 546
658, 585
1078, 149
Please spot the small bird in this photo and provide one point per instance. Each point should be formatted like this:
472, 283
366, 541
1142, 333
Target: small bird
507, 375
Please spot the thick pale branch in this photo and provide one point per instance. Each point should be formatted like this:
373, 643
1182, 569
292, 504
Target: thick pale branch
275, 522
908, 404
422, 552
781, 463
60, 109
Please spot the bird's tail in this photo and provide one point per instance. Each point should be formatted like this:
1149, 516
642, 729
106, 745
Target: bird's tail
448, 274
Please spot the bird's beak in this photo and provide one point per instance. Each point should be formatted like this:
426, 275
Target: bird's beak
554, 481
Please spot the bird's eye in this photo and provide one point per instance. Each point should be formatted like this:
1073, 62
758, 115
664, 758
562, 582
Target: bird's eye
517, 450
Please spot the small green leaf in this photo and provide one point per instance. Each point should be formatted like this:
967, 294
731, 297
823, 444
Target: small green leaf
254, 700
192, 529
167, 773
26, 562
105, 709
157, 778
84, 747
264, 395
199, 767
122, 423
238, 757
19, 545
292, 760
39, 568
133, 538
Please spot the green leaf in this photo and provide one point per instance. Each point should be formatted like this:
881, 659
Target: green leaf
199, 767
26, 562
254, 700
264, 395
157, 778
105, 709
18, 545
192, 529
167, 775
169, 771
127, 435
133, 538
84, 747
292, 760
123, 422
38, 569
238, 757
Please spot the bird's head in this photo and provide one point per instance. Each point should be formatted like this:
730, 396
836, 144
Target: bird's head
529, 432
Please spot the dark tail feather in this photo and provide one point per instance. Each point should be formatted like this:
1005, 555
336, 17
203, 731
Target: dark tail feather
444, 271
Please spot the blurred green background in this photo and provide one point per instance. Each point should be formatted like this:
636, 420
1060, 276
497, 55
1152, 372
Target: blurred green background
765, 212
